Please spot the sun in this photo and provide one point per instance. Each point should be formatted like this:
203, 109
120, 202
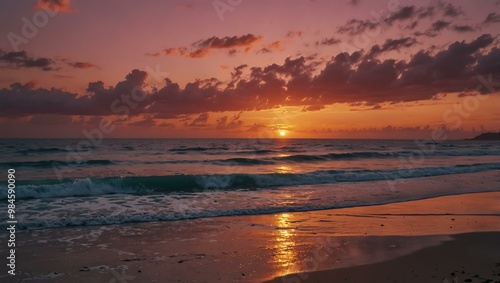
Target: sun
282, 133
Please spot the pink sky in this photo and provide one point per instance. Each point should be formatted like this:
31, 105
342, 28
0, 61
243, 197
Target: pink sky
327, 69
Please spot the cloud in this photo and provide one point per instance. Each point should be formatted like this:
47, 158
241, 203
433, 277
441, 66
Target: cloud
328, 41
21, 59
404, 14
63, 76
200, 121
228, 42
463, 28
439, 25
492, 18
449, 10
25, 99
55, 5
224, 123
82, 65
355, 27
392, 44
272, 47
294, 34
346, 78
204, 47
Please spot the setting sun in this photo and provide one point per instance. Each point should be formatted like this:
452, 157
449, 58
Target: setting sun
282, 133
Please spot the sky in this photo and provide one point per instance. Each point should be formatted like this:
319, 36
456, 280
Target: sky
249, 68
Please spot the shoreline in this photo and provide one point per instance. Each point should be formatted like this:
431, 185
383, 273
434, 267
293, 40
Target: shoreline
255, 248
469, 257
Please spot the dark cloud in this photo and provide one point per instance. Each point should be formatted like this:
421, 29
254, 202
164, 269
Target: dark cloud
463, 28
204, 47
228, 42
199, 121
439, 25
346, 78
435, 28
328, 41
492, 18
82, 65
426, 12
21, 59
449, 10
404, 14
354, 2
24, 100
392, 44
355, 27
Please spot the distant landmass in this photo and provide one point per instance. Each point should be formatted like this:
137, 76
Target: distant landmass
487, 137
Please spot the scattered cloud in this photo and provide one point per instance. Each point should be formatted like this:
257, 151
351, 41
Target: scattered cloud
204, 47
450, 10
294, 34
225, 123
200, 121
328, 41
492, 18
346, 78
409, 13
392, 44
272, 47
82, 65
463, 28
20, 59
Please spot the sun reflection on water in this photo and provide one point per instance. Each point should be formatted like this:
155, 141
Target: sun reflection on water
285, 255
284, 169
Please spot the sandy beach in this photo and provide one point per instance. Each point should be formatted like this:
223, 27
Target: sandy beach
445, 238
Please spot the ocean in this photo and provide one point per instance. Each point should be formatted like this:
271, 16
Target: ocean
70, 183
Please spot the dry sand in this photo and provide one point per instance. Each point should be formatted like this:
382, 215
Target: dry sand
434, 240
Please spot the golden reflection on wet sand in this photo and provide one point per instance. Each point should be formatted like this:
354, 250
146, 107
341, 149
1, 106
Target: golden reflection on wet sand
285, 255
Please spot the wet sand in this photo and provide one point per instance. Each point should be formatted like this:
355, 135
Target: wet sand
433, 240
